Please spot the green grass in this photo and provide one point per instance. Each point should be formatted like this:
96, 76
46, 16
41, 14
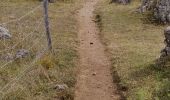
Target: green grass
58, 67
134, 46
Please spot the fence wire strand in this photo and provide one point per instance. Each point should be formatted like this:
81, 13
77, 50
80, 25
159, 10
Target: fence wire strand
31, 33
35, 40
24, 71
18, 19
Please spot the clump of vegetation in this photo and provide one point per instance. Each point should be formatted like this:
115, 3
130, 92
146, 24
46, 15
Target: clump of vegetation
162, 92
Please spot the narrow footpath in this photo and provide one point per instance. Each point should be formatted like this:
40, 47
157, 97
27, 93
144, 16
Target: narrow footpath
94, 79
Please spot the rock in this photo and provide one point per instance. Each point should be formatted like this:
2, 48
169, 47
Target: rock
160, 9
4, 33
91, 43
146, 5
167, 30
166, 51
167, 33
50, 1
94, 74
7, 57
22, 53
61, 87
168, 17
121, 1
167, 36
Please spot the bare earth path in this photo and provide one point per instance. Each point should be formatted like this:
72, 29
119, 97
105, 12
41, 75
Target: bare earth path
94, 80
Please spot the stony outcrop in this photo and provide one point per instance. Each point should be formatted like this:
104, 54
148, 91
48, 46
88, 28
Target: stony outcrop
160, 9
146, 5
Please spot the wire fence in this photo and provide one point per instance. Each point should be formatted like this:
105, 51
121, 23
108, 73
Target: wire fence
27, 44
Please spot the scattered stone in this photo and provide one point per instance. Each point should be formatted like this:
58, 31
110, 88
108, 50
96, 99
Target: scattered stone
160, 9
121, 1
4, 33
22, 53
91, 43
7, 57
61, 87
50, 1
94, 74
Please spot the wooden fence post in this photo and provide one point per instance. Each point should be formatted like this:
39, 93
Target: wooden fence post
45, 3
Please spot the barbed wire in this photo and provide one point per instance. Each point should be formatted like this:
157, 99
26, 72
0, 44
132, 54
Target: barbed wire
17, 20
28, 13
13, 47
9, 48
24, 71
1, 67
28, 64
19, 92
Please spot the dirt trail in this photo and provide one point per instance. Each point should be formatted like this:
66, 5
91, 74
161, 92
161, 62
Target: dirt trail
94, 80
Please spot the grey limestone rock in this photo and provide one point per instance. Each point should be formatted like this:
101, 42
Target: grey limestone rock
4, 33
22, 53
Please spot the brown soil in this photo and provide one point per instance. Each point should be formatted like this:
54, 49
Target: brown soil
95, 79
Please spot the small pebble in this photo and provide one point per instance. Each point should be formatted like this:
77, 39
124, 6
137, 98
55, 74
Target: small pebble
91, 43
94, 74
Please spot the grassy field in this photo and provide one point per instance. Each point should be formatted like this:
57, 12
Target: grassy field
134, 46
58, 67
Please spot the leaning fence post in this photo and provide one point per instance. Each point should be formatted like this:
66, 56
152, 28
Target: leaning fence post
45, 3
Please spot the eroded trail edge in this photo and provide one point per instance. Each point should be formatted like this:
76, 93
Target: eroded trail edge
94, 80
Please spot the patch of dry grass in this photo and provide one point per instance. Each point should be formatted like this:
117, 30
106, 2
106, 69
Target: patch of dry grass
38, 82
133, 46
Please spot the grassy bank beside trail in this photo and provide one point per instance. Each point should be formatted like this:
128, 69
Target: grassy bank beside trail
41, 81
134, 46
